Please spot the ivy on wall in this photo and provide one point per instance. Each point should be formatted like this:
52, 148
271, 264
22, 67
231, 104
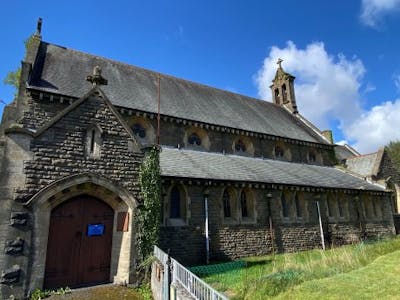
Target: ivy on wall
149, 212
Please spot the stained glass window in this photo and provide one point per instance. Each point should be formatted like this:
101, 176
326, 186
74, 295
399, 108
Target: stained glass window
240, 146
227, 204
175, 203
194, 139
139, 130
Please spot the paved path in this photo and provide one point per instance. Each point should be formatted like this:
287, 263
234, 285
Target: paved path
103, 292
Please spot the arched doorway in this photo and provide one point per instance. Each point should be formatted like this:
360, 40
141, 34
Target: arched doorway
79, 243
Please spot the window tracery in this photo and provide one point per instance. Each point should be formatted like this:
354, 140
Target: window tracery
139, 130
194, 139
284, 205
240, 146
226, 202
244, 204
279, 152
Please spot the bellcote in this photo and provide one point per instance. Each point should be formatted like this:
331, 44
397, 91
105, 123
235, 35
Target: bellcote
283, 89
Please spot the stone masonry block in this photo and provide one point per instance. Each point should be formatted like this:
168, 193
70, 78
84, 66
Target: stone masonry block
19, 218
15, 247
11, 275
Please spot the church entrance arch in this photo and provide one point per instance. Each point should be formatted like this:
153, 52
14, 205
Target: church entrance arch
79, 243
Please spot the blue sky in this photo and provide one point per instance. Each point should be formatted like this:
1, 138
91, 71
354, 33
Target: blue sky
344, 54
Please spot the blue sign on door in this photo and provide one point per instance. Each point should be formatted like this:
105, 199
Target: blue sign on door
95, 229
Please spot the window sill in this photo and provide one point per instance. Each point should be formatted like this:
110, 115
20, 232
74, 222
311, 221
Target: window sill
248, 220
230, 221
245, 154
170, 222
338, 219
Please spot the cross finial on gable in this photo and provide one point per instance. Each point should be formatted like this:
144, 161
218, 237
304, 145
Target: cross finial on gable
39, 27
279, 62
96, 78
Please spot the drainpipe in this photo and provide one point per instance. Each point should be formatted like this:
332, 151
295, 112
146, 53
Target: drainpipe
271, 229
320, 226
206, 194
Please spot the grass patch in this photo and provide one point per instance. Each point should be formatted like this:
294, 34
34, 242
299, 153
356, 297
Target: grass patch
378, 280
268, 276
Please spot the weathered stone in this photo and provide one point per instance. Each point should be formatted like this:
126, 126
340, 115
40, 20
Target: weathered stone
11, 276
19, 218
15, 247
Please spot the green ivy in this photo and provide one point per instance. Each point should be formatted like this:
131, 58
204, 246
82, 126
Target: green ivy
148, 214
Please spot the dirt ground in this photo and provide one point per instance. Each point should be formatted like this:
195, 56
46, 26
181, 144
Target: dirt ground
107, 292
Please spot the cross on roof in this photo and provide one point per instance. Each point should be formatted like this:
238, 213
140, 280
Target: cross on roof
96, 78
279, 62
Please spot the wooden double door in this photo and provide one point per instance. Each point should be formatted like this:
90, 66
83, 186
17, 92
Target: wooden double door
79, 243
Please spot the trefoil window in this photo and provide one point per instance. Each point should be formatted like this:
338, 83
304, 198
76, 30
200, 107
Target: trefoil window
138, 130
194, 140
240, 146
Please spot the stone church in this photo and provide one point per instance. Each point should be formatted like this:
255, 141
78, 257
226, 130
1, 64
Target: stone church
240, 176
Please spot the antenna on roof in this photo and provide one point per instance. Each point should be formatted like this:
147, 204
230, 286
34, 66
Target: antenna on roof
39, 27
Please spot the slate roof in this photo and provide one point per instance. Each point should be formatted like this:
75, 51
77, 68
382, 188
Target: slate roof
218, 166
365, 165
345, 151
63, 71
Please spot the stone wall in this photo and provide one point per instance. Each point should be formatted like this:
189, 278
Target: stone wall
31, 163
40, 112
61, 150
173, 134
240, 238
387, 169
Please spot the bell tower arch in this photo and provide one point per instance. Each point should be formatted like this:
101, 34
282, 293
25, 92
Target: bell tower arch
283, 89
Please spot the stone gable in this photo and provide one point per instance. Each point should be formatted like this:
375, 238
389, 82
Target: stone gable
59, 150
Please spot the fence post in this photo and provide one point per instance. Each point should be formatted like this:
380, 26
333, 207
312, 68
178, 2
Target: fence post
167, 281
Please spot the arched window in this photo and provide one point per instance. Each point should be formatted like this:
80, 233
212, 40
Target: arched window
138, 130
175, 204
93, 141
331, 205
240, 146
340, 206
284, 205
226, 202
194, 139
279, 153
277, 96
244, 204
299, 209
312, 157
377, 208
284, 93
368, 207
175, 208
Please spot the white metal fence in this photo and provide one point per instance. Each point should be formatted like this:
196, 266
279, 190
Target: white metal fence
193, 284
161, 255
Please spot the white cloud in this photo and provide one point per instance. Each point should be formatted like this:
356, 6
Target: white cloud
327, 87
369, 88
342, 142
328, 91
376, 127
372, 11
396, 80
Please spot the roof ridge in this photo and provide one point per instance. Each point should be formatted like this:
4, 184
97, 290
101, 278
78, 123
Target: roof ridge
217, 107
363, 155
163, 74
244, 157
